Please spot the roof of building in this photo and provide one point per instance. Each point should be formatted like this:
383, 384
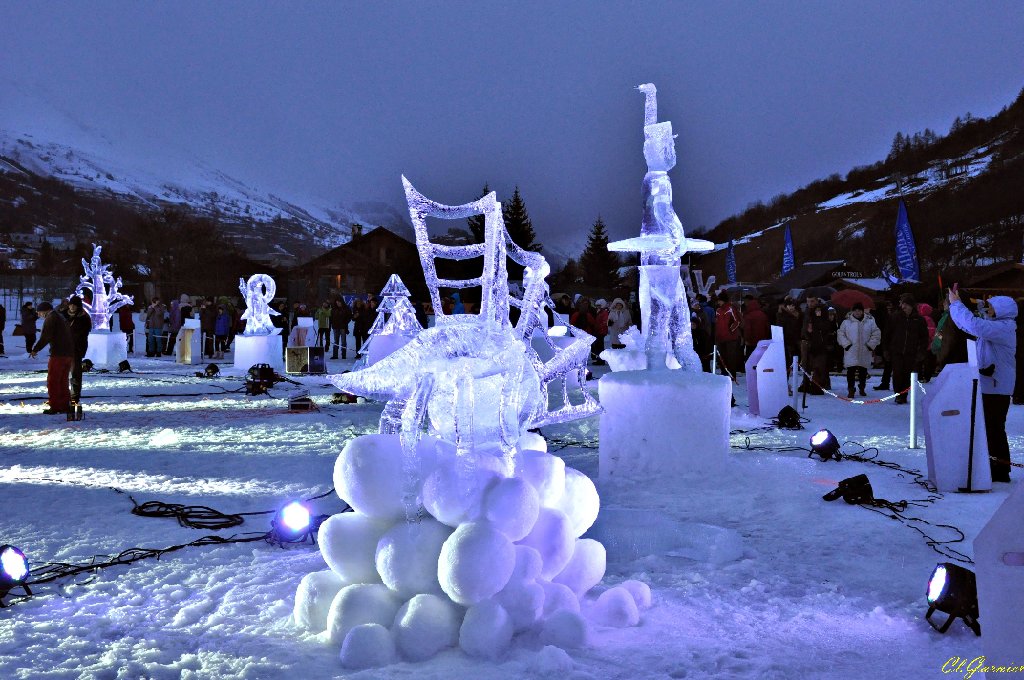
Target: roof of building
804, 276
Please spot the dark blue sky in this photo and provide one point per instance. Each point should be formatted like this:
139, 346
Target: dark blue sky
336, 100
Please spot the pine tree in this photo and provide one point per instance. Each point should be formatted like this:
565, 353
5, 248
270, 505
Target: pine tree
517, 221
600, 266
476, 222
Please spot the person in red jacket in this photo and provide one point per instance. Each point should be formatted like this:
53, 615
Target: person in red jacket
727, 334
756, 326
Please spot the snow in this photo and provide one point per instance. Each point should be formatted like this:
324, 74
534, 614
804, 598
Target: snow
476, 563
819, 590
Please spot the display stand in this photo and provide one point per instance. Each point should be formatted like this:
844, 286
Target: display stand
767, 386
304, 332
258, 349
302, 360
106, 349
188, 344
999, 568
954, 429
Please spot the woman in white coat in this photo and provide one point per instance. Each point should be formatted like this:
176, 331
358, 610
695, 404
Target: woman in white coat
858, 336
619, 319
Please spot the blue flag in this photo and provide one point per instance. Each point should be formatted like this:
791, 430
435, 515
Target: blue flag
906, 251
730, 264
788, 261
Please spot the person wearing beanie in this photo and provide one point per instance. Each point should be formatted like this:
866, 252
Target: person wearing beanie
80, 325
996, 332
600, 331
908, 341
56, 334
858, 336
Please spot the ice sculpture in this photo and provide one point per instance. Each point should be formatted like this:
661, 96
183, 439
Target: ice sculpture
259, 292
104, 301
395, 325
663, 302
478, 536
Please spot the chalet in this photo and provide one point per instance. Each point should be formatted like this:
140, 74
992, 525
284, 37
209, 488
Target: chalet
1004, 278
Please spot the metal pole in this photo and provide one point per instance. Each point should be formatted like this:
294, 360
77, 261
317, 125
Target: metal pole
714, 360
913, 410
795, 382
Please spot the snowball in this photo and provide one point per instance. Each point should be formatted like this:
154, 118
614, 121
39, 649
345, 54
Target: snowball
545, 472
552, 661
407, 557
511, 506
348, 542
524, 602
580, 501
616, 608
452, 494
586, 567
564, 628
476, 562
640, 591
558, 596
358, 604
528, 564
368, 646
552, 537
532, 441
313, 599
368, 476
425, 625
486, 631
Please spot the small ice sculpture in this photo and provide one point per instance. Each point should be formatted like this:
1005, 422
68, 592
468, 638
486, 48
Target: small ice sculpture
395, 325
258, 292
663, 302
104, 301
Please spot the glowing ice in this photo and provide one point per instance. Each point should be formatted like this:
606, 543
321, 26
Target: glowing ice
258, 292
104, 301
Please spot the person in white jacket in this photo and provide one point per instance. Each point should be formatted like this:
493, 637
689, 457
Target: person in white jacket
858, 336
997, 346
619, 320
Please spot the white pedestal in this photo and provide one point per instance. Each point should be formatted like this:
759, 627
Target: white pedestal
188, 346
767, 384
382, 346
259, 349
107, 350
947, 430
999, 568
658, 424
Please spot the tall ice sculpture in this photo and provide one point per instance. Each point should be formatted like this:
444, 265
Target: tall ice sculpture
465, 530
658, 421
261, 342
106, 349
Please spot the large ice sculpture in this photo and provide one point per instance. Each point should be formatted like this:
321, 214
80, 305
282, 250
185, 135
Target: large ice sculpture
104, 301
473, 528
664, 310
259, 292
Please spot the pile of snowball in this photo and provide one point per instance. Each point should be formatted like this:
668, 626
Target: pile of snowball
496, 553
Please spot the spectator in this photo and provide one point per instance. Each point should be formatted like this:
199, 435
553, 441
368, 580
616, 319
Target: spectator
882, 318
858, 336
819, 337
341, 315
457, 306
126, 322
221, 331
949, 344
155, 324
361, 322
600, 331
1018, 390
3, 324
208, 326
756, 326
564, 305
997, 344
790, 320
619, 319
908, 341
583, 316
80, 325
323, 325
927, 367
28, 324
56, 334
727, 334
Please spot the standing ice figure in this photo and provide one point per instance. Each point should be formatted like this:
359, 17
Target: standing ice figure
104, 302
663, 305
258, 292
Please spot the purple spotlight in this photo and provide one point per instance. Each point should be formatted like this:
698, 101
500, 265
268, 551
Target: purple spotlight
13, 570
295, 517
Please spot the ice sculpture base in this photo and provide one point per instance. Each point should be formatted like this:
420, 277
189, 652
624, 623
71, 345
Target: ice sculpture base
107, 350
382, 346
633, 360
259, 349
999, 567
633, 533
660, 424
947, 430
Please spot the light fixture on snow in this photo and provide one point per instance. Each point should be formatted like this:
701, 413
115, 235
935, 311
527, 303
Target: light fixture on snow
825, 444
13, 571
953, 590
87, 365
294, 523
854, 490
788, 419
211, 371
261, 377
124, 367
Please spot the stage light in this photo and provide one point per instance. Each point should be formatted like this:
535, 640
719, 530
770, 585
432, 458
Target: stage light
825, 444
953, 590
854, 490
788, 419
13, 571
301, 402
261, 377
124, 367
294, 523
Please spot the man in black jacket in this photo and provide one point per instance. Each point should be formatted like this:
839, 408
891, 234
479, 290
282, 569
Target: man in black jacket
80, 325
57, 335
907, 343
3, 322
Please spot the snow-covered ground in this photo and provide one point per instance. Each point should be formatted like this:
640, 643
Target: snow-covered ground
821, 590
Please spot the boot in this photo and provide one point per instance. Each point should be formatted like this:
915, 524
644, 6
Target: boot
334, 356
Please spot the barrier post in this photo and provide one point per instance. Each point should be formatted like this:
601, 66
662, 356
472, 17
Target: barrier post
714, 360
913, 410
795, 383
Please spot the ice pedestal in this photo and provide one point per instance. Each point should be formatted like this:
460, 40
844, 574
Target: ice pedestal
259, 349
767, 384
631, 534
999, 567
107, 350
947, 430
658, 424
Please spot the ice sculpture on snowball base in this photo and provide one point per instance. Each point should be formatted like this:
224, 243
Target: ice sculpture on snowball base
104, 302
473, 529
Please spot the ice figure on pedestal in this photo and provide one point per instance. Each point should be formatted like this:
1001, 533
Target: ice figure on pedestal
663, 301
465, 530
258, 292
104, 302
394, 326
